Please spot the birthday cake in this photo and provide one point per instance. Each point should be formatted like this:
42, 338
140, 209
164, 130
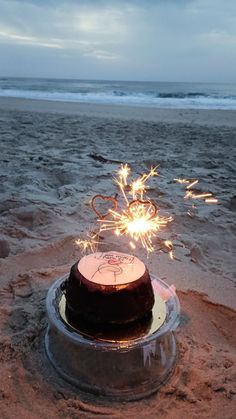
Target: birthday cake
109, 287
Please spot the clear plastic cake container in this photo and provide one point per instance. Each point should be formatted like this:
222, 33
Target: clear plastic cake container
120, 366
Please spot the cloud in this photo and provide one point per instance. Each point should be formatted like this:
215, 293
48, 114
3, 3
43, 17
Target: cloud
102, 55
218, 38
106, 22
87, 49
27, 40
139, 39
93, 32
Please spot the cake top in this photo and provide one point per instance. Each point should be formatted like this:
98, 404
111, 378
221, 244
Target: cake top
111, 268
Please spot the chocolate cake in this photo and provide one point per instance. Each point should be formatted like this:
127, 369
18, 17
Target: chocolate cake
109, 287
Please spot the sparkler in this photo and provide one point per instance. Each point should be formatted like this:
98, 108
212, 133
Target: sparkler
136, 217
139, 218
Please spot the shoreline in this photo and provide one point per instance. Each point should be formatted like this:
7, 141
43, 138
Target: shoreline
207, 117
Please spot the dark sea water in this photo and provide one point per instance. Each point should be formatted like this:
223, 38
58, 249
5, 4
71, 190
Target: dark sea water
153, 94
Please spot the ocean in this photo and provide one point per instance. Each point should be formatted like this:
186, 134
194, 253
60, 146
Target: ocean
153, 94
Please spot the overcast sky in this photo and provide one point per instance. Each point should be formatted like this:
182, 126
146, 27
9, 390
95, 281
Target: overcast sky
172, 40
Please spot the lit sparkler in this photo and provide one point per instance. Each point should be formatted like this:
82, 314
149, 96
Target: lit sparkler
138, 222
138, 218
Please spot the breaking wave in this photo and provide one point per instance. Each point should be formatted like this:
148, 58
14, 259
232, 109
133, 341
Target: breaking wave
121, 93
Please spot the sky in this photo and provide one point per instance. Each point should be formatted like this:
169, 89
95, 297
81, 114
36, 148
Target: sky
159, 40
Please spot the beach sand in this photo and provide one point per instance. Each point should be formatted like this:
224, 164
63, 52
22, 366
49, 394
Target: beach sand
54, 158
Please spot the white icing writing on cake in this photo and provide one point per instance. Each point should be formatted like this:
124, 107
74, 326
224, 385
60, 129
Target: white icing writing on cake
111, 268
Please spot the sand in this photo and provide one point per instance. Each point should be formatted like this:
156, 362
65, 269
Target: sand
54, 158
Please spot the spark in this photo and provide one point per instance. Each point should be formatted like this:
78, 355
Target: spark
88, 245
84, 244
124, 173
180, 180
192, 193
192, 184
133, 215
138, 218
169, 245
121, 186
137, 224
138, 186
211, 200
201, 195
132, 245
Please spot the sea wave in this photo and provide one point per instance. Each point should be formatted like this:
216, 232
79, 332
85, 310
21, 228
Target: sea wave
194, 100
182, 95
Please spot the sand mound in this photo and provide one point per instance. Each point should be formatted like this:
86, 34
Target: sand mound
202, 385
